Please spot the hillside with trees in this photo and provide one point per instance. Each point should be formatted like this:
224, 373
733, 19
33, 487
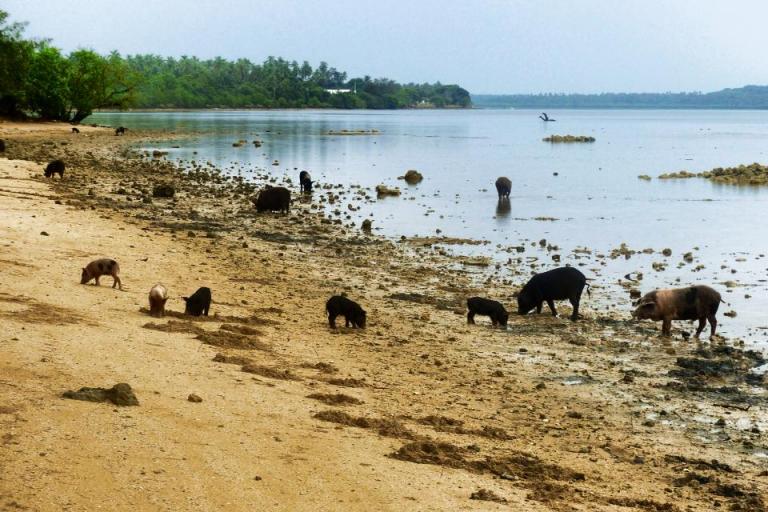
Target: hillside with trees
749, 97
37, 79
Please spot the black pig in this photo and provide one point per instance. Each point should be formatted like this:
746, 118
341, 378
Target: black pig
120, 130
349, 309
486, 307
305, 182
273, 199
198, 303
503, 186
558, 284
55, 167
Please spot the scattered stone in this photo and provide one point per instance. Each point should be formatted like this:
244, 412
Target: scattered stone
194, 398
164, 190
412, 177
487, 495
120, 394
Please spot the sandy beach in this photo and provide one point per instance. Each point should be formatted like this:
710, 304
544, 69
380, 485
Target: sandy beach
419, 411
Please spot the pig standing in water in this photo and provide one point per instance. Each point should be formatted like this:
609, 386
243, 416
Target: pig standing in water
557, 284
198, 303
158, 296
692, 303
486, 307
349, 309
305, 182
98, 268
503, 187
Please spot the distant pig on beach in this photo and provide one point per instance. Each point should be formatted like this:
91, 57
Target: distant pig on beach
349, 309
273, 199
487, 307
55, 167
158, 295
199, 302
101, 267
557, 284
692, 303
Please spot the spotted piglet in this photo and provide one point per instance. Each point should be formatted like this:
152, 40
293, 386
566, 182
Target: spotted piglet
98, 268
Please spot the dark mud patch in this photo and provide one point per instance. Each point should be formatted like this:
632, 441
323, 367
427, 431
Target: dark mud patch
241, 329
174, 326
26, 309
335, 399
547, 482
454, 426
270, 372
321, 367
119, 394
445, 304
385, 427
228, 339
643, 504
228, 359
487, 495
347, 382
7, 409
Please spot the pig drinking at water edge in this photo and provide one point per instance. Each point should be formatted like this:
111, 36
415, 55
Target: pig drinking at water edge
692, 303
557, 284
486, 307
98, 268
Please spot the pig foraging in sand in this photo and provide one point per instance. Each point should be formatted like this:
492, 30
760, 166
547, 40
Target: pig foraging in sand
198, 303
691, 303
557, 284
55, 167
158, 295
503, 186
98, 268
120, 130
349, 309
486, 307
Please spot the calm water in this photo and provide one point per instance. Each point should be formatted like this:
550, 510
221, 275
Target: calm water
595, 196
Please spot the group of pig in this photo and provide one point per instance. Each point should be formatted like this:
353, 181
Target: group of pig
196, 304
565, 283
690, 303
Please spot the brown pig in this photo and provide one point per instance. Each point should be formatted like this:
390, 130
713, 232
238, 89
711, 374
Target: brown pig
158, 295
691, 303
98, 268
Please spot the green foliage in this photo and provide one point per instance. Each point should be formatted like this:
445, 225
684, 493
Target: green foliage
276, 83
36, 78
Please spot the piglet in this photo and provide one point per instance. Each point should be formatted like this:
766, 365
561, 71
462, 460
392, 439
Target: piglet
98, 268
158, 295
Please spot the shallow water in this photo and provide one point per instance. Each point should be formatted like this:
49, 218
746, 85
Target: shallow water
596, 197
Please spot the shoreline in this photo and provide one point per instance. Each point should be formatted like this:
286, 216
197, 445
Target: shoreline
549, 415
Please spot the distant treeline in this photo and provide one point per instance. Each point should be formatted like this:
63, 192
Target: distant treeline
749, 97
189, 82
38, 79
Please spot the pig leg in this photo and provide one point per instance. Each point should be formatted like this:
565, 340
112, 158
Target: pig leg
332, 321
551, 305
702, 323
471, 317
712, 324
346, 321
205, 309
575, 304
538, 308
494, 322
666, 327
117, 281
97, 281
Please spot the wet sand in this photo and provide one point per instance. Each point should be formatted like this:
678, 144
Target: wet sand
416, 412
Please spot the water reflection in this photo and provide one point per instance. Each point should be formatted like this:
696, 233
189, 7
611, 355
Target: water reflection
503, 207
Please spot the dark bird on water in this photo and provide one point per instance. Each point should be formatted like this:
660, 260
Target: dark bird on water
545, 117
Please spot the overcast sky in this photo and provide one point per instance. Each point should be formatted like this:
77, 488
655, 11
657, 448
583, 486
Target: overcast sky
487, 46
